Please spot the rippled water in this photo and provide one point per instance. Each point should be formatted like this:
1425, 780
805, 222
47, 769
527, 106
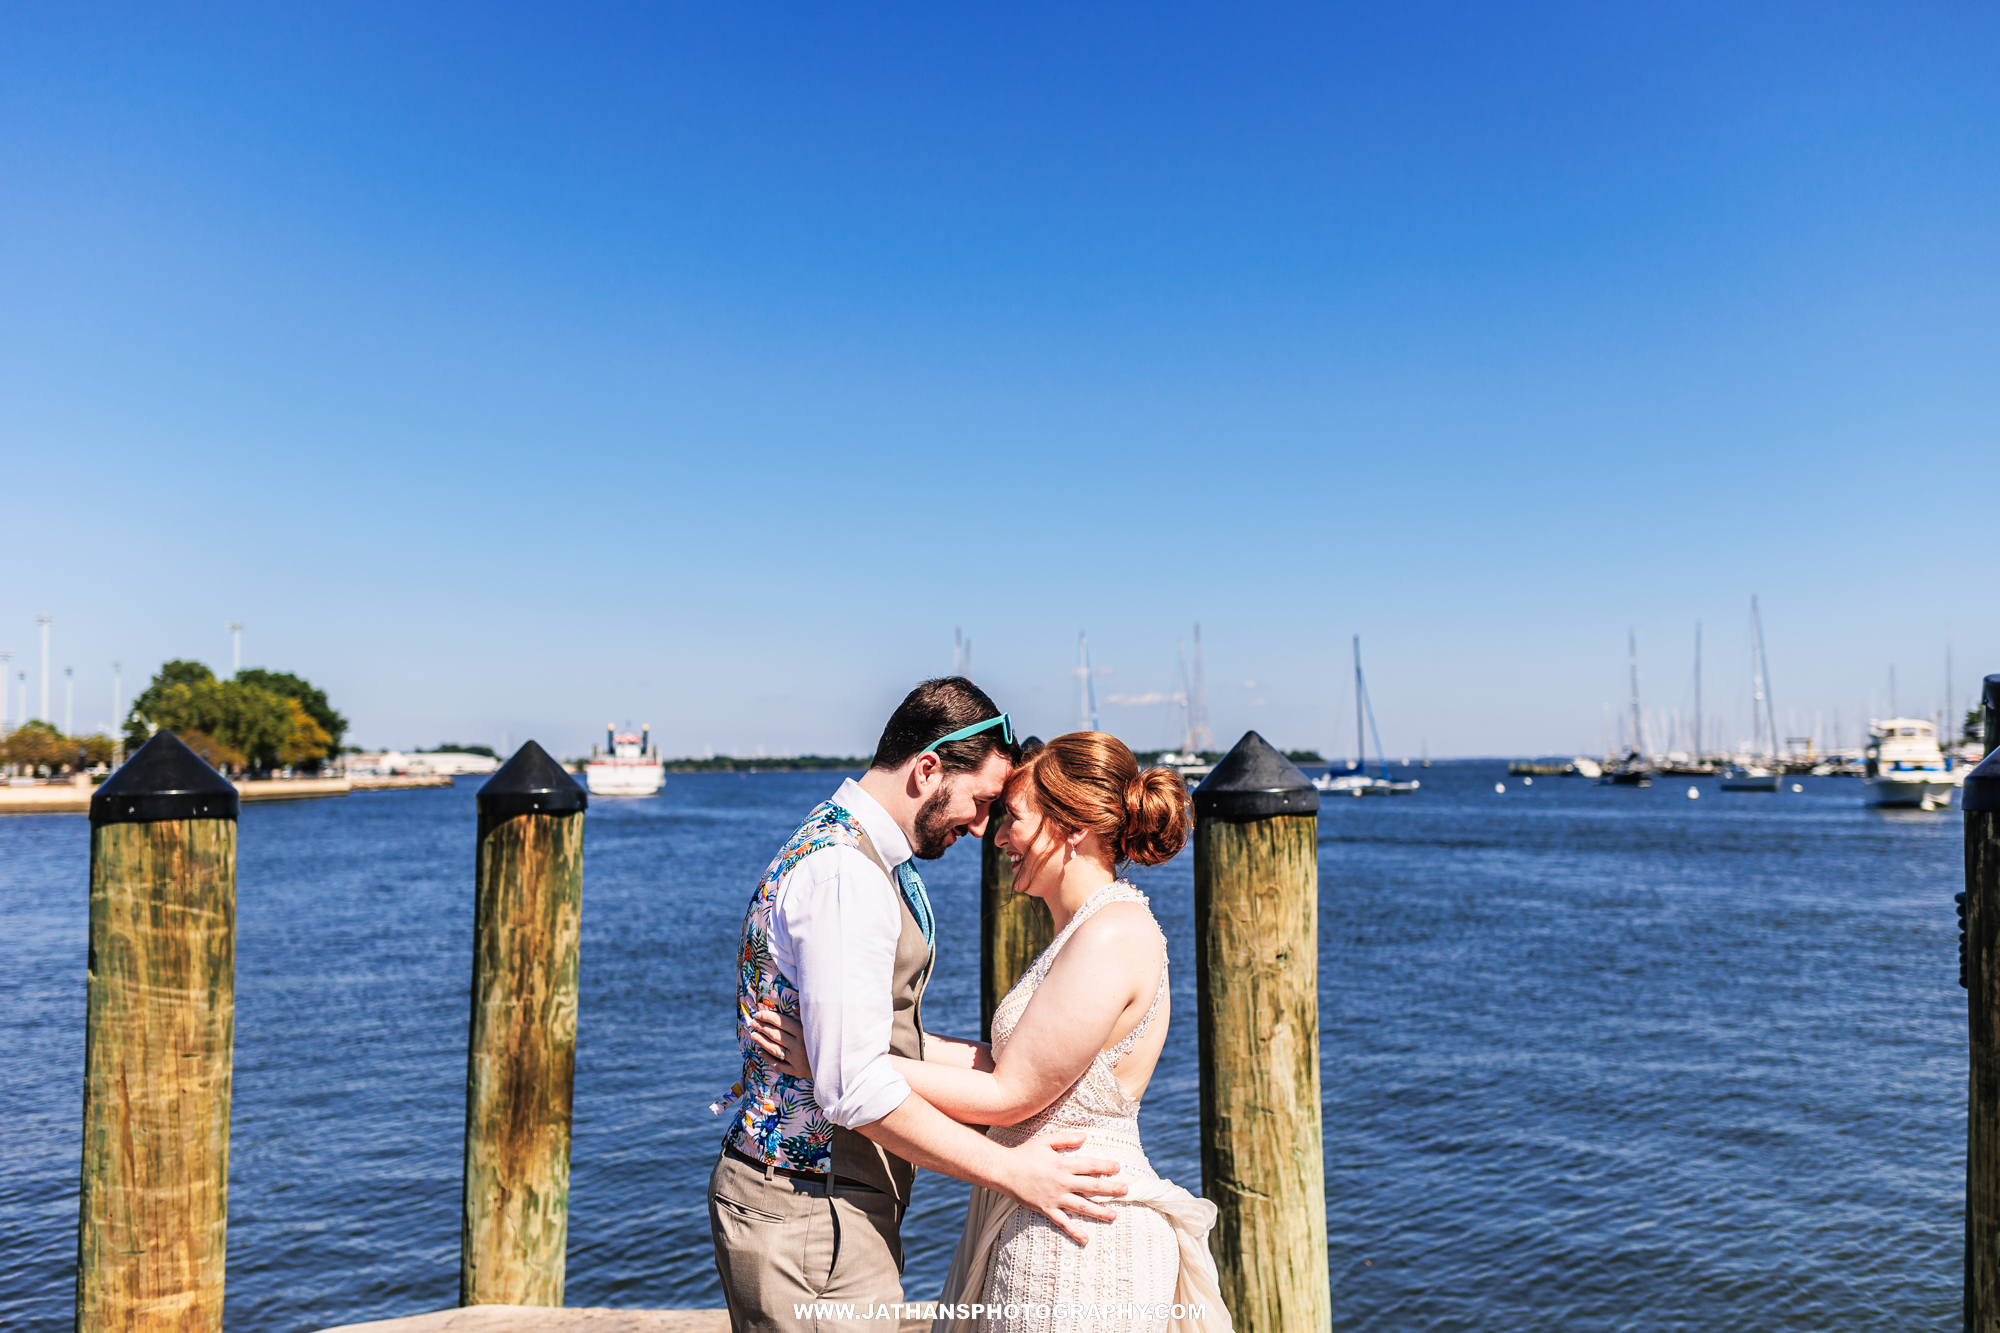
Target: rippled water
1593, 1058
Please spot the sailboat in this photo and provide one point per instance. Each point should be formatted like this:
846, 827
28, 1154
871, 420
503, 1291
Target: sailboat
1634, 770
1188, 758
1357, 782
1755, 775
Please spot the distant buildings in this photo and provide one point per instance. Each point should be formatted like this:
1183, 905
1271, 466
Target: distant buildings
395, 763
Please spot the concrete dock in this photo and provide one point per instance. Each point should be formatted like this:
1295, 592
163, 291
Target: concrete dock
73, 796
540, 1319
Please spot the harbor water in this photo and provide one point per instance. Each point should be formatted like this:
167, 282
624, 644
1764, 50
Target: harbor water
1592, 1058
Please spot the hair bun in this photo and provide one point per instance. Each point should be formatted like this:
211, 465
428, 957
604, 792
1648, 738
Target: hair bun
1156, 816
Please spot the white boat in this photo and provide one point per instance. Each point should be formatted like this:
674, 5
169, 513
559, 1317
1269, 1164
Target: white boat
1749, 777
629, 765
1906, 767
1347, 784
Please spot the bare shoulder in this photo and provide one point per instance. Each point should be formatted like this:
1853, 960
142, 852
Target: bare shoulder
1117, 926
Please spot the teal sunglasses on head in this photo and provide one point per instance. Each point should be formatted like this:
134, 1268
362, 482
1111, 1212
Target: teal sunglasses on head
1006, 732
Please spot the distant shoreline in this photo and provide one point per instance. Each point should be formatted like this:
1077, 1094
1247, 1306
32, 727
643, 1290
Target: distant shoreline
793, 764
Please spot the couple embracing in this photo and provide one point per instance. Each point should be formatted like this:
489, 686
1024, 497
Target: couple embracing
843, 1094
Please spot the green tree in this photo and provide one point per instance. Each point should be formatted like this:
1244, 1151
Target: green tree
258, 720
310, 697
141, 720
38, 745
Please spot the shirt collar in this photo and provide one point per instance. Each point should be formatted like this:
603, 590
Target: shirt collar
884, 832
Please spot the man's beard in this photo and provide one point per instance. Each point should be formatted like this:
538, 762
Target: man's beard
934, 831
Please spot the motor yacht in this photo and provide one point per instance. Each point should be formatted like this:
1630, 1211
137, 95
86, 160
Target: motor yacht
1906, 767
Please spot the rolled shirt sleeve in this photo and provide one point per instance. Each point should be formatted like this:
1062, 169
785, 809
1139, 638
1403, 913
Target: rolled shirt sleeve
834, 929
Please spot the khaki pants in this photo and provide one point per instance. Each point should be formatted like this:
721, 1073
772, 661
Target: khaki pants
782, 1242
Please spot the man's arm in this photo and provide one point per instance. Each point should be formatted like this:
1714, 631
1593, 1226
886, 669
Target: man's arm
958, 1052
1042, 1174
834, 931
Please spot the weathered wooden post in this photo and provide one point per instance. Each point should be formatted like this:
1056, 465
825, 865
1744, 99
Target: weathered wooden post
521, 1062
1256, 933
1013, 928
160, 1018
1980, 972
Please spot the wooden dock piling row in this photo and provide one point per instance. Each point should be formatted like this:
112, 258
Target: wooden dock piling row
521, 1052
1981, 800
153, 1203
159, 1027
1256, 922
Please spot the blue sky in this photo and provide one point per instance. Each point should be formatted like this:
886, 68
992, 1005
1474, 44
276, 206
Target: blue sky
507, 370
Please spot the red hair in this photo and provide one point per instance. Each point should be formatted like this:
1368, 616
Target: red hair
1089, 781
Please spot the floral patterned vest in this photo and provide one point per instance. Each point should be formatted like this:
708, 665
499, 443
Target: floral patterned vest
776, 1119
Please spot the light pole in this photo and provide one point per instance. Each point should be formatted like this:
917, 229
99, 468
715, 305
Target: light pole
69, 701
5, 658
235, 648
43, 621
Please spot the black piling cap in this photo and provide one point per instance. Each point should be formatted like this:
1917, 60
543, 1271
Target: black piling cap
164, 780
531, 783
1254, 781
1982, 784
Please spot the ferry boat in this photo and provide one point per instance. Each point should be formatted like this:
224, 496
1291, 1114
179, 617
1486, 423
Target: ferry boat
1906, 767
628, 766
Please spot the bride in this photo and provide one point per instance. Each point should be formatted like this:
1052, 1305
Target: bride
1075, 1043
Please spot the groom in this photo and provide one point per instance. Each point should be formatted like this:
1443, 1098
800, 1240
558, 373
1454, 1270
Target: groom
806, 1202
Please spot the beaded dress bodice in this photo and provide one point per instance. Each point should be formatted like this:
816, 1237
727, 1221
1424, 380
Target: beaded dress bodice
1096, 1101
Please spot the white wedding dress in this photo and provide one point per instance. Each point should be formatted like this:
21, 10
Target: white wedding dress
1143, 1271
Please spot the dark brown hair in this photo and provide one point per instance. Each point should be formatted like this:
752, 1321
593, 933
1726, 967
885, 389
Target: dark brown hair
1090, 781
938, 708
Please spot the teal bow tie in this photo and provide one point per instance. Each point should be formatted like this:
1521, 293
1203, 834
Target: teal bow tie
912, 885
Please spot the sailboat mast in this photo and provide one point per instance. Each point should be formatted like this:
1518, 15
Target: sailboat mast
1764, 675
1203, 738
1697, 691
1082, 681
1638, 727
1360, 742
1187, 700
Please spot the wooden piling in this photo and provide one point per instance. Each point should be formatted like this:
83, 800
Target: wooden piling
1981, 975
1256, 907
160, 1013
521, 1057
1013, 928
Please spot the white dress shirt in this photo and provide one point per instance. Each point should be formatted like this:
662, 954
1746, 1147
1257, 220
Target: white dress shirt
835, 920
